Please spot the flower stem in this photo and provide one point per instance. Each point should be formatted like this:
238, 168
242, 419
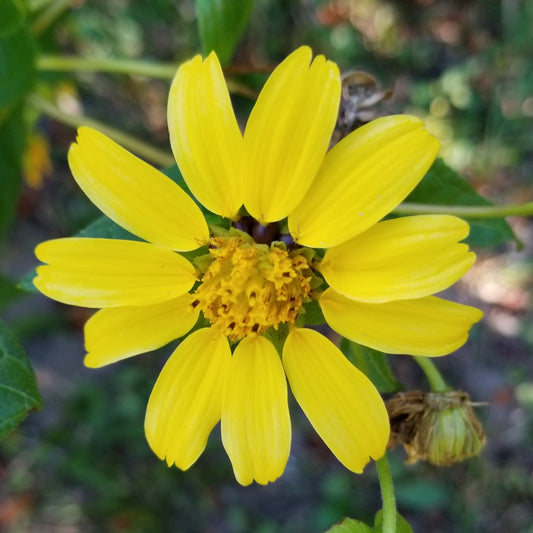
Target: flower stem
487, 211
139, 147
436, 381
387, 495
164, 71
132, 67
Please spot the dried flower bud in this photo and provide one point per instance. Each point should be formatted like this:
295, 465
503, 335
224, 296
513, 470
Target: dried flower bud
361, 93
440, 428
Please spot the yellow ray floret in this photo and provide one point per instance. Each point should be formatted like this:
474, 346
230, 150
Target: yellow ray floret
427, 326
186, 401
205, 136
110, 272
341, 403
402, 258
288, 133
134, 194
255, 426
115, 333
362, 179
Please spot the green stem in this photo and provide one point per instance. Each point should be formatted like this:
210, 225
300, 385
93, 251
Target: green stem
488, 211
164, 71
139, 147
132, 67
436, 381
387, 495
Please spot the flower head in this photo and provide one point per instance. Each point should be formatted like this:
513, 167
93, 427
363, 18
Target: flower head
284, 199
439, 427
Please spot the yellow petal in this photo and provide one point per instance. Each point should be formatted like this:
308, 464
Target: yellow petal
134, 194
115, 333
362, 179
426, 326
402, 258
186, 401
288, 133
341, 403
110, 273
255, 425
205, 136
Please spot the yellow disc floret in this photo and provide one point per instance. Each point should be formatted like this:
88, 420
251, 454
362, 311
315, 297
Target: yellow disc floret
250, 287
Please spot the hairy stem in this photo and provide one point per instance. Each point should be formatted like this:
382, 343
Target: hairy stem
387, 495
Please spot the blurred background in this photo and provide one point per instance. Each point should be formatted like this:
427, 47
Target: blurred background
82, 464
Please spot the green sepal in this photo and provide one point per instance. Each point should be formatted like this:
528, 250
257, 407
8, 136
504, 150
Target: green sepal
277, 336
312, 315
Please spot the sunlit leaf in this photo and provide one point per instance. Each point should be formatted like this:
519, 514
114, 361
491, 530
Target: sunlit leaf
221, 24
443, 186
18, 389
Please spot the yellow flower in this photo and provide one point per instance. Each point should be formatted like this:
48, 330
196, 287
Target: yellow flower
261, 274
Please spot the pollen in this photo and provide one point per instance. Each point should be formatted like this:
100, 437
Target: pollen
250, 287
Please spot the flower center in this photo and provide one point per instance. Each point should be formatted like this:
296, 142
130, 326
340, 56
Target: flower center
250, 287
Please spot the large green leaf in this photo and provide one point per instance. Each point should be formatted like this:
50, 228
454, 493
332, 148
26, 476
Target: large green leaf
17, 56
12, 138
18, 389
221, 24
17, 74
350, 525
373, 364
443, 186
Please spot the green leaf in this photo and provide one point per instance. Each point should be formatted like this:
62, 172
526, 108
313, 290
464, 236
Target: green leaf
17, 60
12, 15
9, 291
402, 525
221, 24
18, 389
349, 525
443, 186
373, 364
105, 228
12, 138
